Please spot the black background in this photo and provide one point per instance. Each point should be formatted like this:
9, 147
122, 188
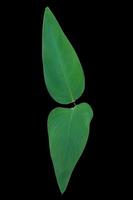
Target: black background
92, 28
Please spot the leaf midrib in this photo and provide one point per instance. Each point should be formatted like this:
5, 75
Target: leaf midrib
60, 64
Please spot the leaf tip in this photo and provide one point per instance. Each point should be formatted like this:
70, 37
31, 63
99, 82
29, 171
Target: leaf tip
47, 10
62, 189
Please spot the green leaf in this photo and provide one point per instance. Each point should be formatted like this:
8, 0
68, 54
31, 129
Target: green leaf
68, 130
63, 72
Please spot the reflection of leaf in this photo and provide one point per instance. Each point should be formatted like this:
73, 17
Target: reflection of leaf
68, 128
68, 131
62, 69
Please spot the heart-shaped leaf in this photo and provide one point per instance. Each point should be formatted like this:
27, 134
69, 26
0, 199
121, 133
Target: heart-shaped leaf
63, 73
68, 130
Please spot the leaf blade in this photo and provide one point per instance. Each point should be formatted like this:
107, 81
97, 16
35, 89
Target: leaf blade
63, 72
67, 139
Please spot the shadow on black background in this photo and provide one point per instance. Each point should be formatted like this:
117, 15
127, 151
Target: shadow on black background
91, 30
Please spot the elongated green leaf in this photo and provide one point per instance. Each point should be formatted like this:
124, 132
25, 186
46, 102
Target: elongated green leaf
63, 73
68, 131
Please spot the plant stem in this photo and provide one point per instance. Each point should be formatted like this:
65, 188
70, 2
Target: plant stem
74, 103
